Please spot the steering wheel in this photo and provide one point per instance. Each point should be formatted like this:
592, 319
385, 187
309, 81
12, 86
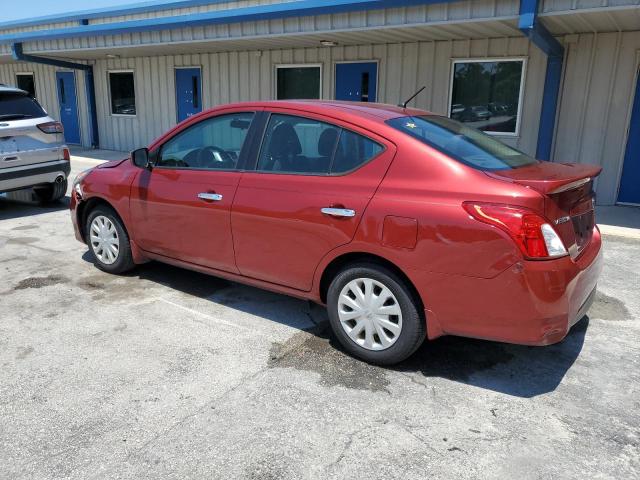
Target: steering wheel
207, 157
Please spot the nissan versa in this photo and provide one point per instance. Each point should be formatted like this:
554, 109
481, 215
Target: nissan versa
405, 224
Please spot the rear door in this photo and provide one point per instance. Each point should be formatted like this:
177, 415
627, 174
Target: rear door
181, 208
313, 181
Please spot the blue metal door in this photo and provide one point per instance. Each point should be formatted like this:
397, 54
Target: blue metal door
68, 102
188, 92
630, 182
357, 82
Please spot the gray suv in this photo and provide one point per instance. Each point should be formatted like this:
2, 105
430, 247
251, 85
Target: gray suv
32, 149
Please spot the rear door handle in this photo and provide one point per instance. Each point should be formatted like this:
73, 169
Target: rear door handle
339, 212
210, 197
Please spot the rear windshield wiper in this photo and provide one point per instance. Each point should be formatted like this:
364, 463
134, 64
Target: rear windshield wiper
14, 116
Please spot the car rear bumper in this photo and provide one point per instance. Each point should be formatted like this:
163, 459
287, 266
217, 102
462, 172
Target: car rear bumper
14, 178
530, 303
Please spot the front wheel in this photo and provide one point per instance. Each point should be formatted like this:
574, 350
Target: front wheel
374, 315
108, 241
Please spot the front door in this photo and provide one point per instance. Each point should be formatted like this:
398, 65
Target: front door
68, 101
181, 207
630, 182
188, 92
312, 183
357, 82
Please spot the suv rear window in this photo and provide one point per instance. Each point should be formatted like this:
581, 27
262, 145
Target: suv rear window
467, 145
16, 106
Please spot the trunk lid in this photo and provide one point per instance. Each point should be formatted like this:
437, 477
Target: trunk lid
569, 197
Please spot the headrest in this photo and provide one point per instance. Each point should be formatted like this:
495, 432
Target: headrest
327, 142
284, 141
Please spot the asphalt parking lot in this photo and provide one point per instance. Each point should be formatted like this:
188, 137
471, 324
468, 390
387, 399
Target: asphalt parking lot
165, 373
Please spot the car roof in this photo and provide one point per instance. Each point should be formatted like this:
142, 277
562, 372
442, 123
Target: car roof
6, 89
373, 111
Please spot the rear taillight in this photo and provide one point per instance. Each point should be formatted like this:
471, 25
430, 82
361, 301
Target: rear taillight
51, 127
66, 155
533, 234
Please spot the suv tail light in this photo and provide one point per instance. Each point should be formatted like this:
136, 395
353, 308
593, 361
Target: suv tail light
533, 234
66, 155
51, 127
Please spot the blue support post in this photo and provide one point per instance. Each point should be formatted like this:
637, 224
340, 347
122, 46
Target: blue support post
18, 54
530, 25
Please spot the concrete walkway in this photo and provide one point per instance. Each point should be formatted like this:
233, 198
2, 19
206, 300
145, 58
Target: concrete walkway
97, 156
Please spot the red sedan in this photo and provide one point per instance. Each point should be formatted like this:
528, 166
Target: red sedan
405, 224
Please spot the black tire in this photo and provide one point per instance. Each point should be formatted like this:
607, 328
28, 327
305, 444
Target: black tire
124, 259
413, 330
51, 193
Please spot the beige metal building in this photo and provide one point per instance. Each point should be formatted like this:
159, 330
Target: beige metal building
556, 78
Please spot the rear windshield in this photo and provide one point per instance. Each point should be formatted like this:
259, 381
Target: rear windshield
16, 106
465, 144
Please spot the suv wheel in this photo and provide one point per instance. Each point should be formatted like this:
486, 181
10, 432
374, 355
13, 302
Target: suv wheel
373, 314
51, 192
108, 241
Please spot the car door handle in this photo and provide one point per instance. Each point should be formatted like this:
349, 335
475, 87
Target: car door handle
339, 212
211, 197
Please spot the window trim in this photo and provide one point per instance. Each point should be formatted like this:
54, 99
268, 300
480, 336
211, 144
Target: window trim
377, 61
240, 166
175, 92
523, 78
110, 97
297, 65
33, 75
261, 136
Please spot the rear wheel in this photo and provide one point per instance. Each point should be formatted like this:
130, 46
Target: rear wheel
108, 241
52, 192
374, 315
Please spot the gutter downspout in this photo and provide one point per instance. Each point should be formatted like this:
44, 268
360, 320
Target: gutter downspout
533, 29
18, 54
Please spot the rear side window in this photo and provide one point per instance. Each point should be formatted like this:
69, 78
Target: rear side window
301, 145
467, 145
17, 106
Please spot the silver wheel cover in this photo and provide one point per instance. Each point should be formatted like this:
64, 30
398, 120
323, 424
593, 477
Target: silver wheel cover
370, 314
104, 240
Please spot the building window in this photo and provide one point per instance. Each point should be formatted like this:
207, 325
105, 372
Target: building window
26, 82
123, 93
487, 94
298, 82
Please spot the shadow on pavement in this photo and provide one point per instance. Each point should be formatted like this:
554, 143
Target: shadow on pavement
18, 208
515, 370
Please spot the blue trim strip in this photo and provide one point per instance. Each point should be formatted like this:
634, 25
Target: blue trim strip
263, 12
531, 27
18, 54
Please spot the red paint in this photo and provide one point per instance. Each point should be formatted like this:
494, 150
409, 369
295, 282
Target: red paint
268, 231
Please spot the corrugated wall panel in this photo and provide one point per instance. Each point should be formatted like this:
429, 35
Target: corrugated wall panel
46, 93
564, 5
249, 75
594, 110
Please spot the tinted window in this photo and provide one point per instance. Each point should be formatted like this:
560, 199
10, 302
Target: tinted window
298, 83
212, 144
486, 95
468, 145
301, 145
353, 150
123, 94
15, 106
26, 82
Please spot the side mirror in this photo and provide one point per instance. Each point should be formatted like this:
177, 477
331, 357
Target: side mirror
140, 158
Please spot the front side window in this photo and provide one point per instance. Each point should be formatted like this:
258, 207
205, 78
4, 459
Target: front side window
467, 145
301, 145
123, 93
26, 82
212, 144
486, 94
297, 82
